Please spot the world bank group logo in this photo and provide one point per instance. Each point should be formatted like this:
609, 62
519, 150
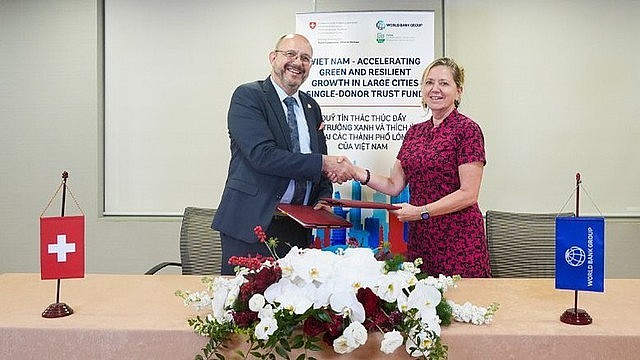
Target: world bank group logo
381, 25
575, 256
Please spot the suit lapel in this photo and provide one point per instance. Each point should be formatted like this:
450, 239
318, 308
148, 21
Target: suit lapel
312, 122
274, 102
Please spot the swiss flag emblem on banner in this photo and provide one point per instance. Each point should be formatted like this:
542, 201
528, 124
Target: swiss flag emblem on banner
62, 247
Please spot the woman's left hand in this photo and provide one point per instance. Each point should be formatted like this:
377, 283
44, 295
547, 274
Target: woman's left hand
407, 212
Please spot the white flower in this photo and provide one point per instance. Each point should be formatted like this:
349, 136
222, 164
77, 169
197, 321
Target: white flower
419, 344
431, 323
470, 313
256, 302
307, 266
391, 341
442, 282
319, 294
266, 327
199, 300
224, 292
289, 296
352, 338
411, 267
389, 287
341, 346
347, 304
356, 334
316, 279
357, 268
425, 298
266, 312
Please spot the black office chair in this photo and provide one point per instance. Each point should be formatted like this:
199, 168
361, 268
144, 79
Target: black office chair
522, 244
200, 246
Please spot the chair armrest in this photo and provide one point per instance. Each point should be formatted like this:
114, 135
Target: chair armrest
161, 266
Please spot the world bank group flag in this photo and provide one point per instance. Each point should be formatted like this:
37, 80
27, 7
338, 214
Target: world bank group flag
580, 253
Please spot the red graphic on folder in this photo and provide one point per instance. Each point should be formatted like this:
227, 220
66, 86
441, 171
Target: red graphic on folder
62, 247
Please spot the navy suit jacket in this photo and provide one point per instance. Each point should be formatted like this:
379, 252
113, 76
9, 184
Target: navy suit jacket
262, 162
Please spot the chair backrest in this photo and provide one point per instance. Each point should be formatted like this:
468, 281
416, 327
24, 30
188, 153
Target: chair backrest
522, 244
200, 246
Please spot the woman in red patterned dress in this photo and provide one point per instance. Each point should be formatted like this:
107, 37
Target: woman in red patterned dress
442, 160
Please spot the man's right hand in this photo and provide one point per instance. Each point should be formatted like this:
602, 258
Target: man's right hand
338, 168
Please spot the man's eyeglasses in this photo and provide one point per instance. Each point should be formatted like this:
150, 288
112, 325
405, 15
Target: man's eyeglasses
292, 54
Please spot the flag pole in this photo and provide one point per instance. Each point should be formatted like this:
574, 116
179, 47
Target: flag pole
576, 316
59, 309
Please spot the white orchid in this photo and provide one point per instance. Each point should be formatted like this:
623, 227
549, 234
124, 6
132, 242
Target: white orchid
288, 295
308, 265
425, 298
347, 304
392, 285
224, 293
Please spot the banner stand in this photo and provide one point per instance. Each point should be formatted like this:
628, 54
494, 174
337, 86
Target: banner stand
576, 316
59, 309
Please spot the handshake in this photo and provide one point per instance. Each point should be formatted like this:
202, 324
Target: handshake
339, 168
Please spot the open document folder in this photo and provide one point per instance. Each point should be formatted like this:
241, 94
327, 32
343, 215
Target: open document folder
310, 218
359, 204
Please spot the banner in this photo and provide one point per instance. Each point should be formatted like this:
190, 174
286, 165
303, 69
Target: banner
62, 247
580, 253
366, 74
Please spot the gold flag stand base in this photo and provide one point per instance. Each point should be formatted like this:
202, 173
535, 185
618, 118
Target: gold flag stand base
575, 316
57, 310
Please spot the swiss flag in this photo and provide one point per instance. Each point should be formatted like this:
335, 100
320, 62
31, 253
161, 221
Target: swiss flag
62, 247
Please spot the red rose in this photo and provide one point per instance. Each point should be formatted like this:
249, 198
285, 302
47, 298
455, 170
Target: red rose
244, 319
369, 300
313, 326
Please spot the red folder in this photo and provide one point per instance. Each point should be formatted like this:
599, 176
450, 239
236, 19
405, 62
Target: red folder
310, 218
360, 204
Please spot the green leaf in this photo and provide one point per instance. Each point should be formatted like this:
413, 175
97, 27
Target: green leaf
285, 344
297, 342
282, 352
322, 316
314, 347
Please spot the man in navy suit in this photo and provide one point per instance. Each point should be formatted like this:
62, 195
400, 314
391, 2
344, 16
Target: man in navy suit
275, 160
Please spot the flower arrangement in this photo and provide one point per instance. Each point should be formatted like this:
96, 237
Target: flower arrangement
306, 298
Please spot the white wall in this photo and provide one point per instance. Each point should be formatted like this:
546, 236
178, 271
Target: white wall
51, 115
553, 85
